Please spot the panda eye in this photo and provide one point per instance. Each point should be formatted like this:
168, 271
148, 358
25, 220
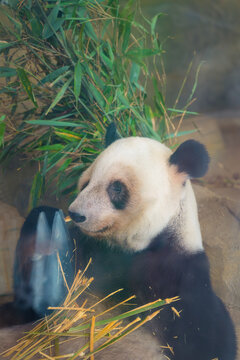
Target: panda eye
84, 185
118, 194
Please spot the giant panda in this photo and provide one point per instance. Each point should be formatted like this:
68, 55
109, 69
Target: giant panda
136, 216
137, 198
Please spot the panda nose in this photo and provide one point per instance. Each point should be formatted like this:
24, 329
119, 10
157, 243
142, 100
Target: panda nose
78, 218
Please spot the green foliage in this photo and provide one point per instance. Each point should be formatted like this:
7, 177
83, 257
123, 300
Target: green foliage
74, 67
2, 129
22, 75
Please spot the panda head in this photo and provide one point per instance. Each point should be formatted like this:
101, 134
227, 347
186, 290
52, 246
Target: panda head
134, 189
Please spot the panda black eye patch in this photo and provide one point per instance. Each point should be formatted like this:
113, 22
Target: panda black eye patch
118, 194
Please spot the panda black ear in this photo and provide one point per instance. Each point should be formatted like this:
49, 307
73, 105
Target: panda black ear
192, 158
111, 134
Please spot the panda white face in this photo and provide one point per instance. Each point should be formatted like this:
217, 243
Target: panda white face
129, 194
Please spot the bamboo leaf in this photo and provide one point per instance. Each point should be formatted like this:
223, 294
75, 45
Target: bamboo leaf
54, 159
96, 94
65, 165
54, 119
68, 135
110, 52
36, 191
69, 182
53, 23
54, 75
179, 111
195, 81
4, 45
2, 129
17, 26
106, 60
148, 113
52, 123
126, 36
154, 22
141, 53
77, 80
178, 134
59, 95
90, 31
134, 73
158, 98
126, 315
127, 14
123, 99
36, 27
26, 85
53, 147
7, 72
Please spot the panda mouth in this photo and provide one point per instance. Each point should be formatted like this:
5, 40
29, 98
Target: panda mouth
103, 230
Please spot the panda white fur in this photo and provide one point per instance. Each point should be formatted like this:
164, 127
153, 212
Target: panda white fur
136, 216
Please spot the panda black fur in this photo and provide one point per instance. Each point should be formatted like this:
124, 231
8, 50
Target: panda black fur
155, 241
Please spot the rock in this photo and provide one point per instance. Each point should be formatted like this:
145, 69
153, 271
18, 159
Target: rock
10, 225
220, 224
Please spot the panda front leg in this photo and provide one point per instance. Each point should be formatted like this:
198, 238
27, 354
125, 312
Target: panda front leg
43, 261
43, 254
